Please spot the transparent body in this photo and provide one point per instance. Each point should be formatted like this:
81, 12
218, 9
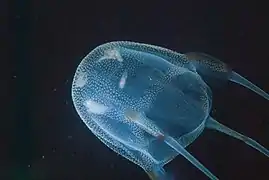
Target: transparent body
148, 103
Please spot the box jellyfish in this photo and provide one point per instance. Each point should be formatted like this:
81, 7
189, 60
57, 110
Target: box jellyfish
148, 103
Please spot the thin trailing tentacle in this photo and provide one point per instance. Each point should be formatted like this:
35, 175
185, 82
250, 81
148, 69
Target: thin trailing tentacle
216, 72
152, 129
158, 173
175, 145
237, 78
213, 124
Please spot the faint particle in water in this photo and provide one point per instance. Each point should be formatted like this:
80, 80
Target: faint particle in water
54, 89
29, 165
241, 34
43, 157
69, 137
112, 166
14, 77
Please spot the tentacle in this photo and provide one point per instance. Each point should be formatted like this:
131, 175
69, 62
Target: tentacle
216, 72
213, 124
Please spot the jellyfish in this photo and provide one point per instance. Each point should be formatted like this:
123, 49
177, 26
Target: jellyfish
148, 103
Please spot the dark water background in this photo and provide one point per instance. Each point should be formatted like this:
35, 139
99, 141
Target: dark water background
43, 137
